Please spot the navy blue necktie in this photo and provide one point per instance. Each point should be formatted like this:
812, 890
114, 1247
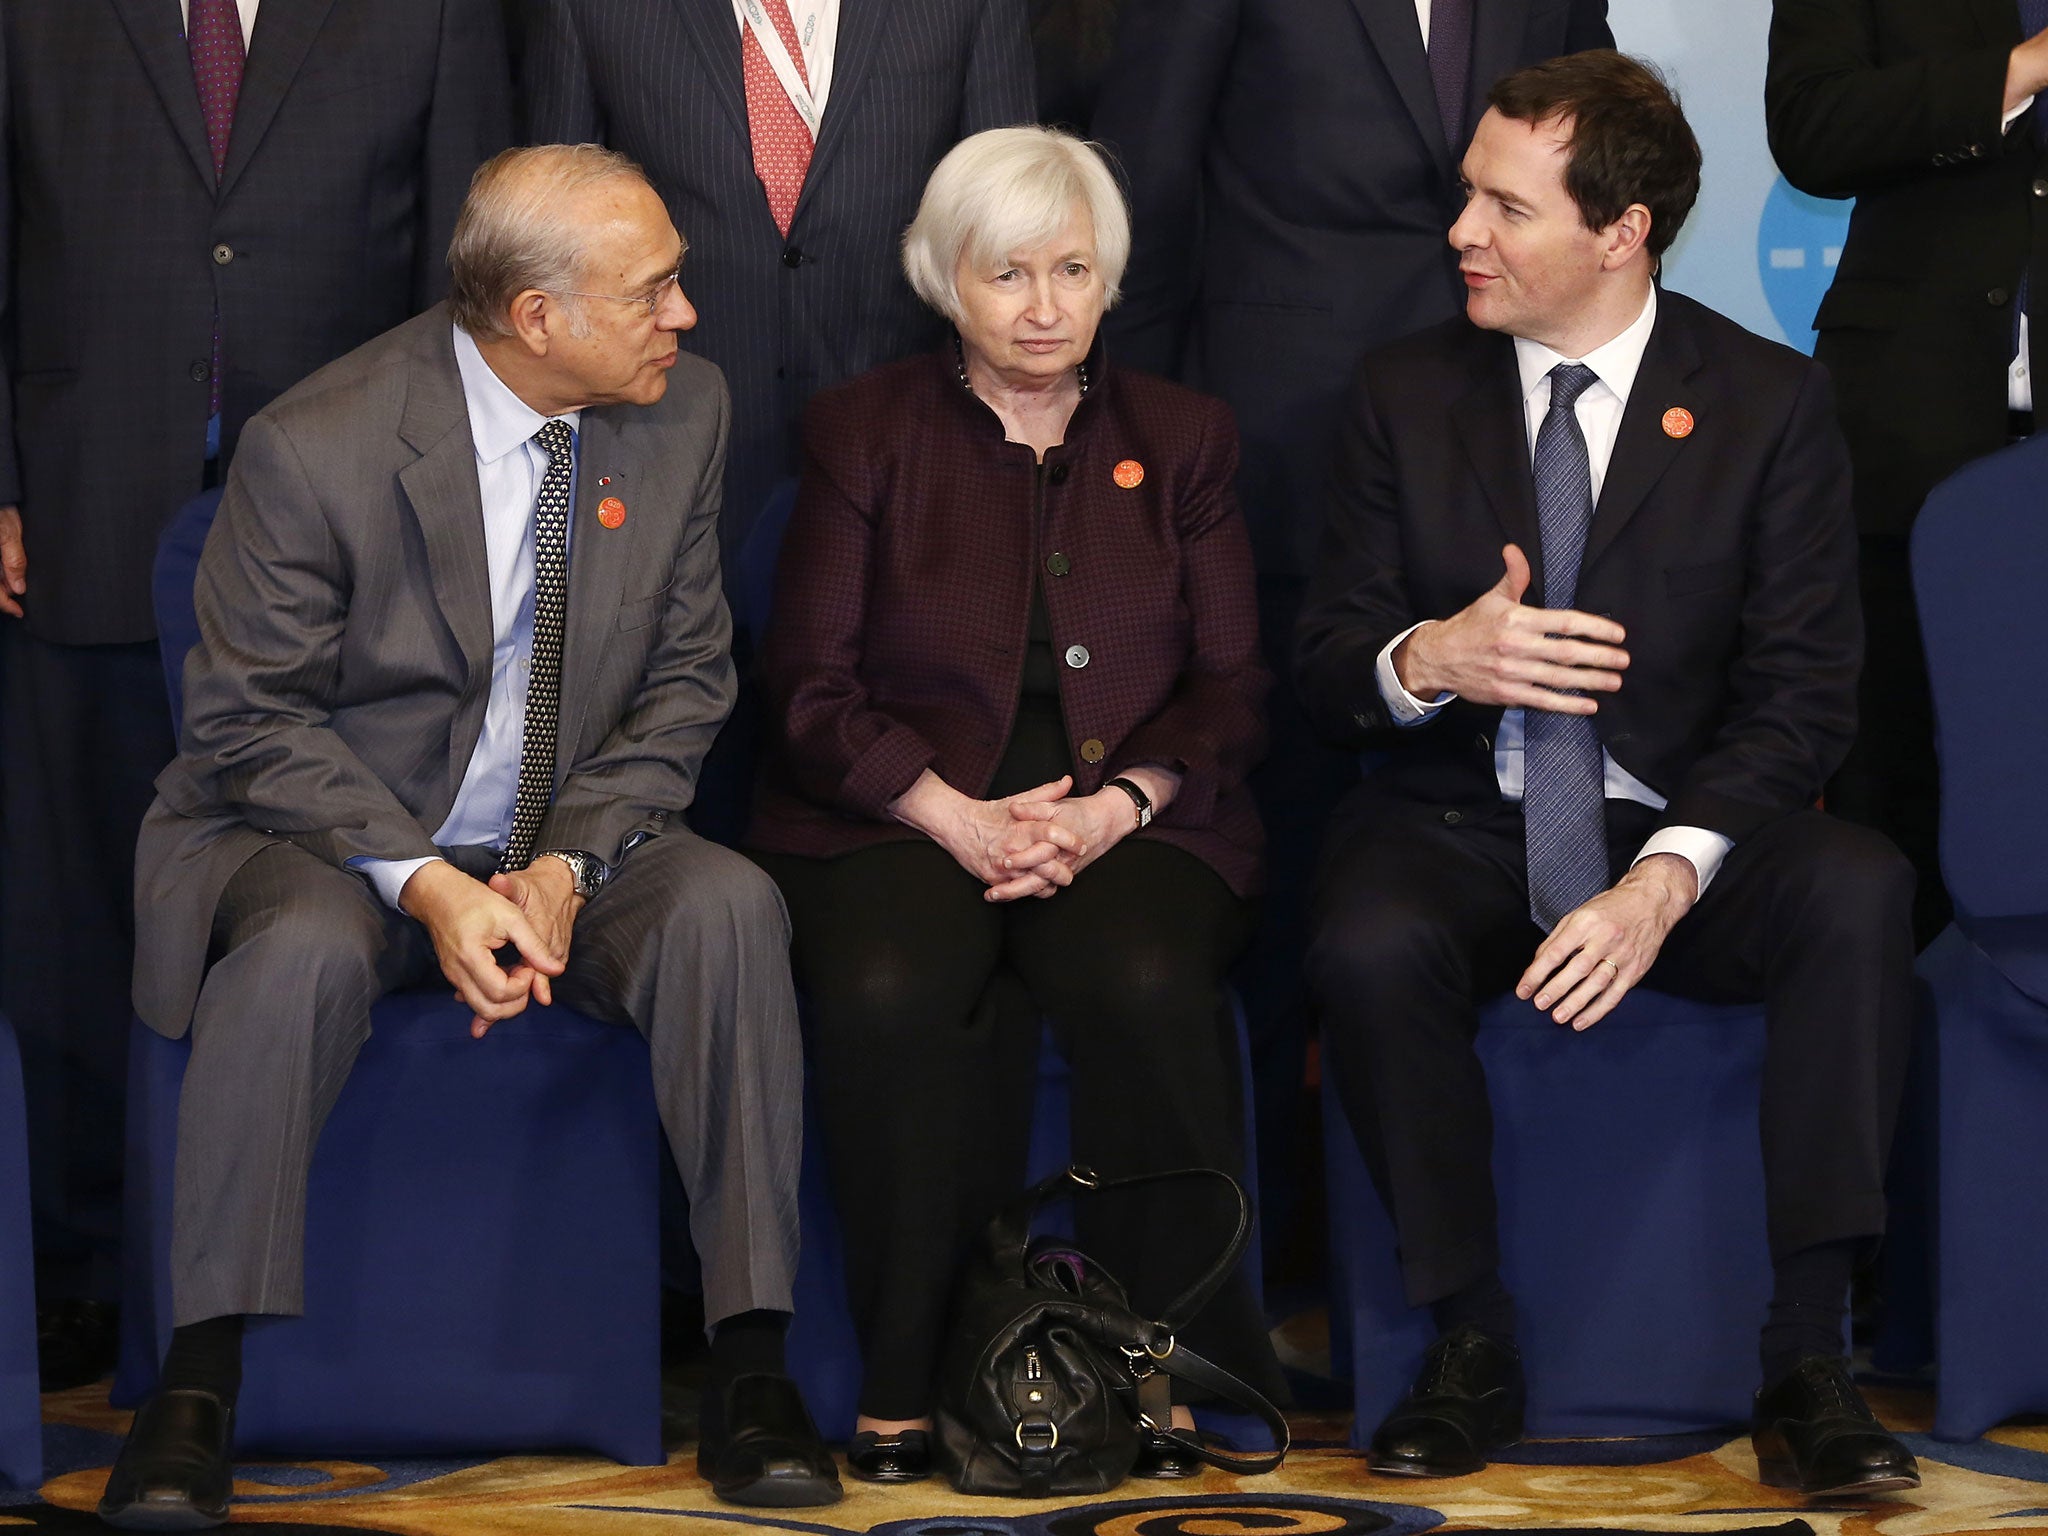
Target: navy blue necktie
1564, 822
1450, 64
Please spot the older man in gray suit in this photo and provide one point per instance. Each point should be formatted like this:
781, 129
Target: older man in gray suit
493, 528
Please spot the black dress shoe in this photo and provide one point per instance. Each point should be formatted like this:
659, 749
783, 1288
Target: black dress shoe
1814, 1432
904, 1457
1466, 1402
761, 1448
1164, 1456
76, 1342
175, 1470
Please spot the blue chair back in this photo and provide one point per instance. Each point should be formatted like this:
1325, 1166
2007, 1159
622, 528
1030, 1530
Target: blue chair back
1978, 552
170, 590
753, 584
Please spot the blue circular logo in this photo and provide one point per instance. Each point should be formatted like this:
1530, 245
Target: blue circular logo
1798, 246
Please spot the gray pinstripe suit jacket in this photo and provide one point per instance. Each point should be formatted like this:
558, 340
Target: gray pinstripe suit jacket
344, 661
660, 80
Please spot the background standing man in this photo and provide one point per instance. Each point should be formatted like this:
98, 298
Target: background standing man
204, 201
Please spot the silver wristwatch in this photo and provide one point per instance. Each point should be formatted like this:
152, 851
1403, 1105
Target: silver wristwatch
590, 871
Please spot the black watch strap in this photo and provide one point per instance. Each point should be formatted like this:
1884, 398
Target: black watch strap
1139, 799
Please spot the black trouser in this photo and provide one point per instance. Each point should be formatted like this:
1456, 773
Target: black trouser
86, 730
1421, 918
1890, 779
922, 1004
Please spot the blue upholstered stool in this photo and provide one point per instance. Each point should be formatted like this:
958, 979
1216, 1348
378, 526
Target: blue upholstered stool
1629, 1168
21, 1426
482, 1257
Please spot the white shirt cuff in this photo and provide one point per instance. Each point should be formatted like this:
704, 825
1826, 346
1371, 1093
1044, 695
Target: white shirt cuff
1702, 849
388, 876
1403, 706
2005, 123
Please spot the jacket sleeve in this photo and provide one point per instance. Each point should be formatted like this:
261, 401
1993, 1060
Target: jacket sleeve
1159, 97
1842, 124
1357, 599
558, 103
468, 121
842, 750
1213, 729
646, 768
1002, 72
272, 601
1791, 691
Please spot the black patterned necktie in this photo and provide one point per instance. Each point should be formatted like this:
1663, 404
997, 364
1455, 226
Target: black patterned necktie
1564, 825
1450, 64
544, 674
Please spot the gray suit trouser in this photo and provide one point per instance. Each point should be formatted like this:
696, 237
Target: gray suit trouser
688, 944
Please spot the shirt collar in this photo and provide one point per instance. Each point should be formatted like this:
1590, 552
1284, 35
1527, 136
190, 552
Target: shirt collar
1615, 363
499, 421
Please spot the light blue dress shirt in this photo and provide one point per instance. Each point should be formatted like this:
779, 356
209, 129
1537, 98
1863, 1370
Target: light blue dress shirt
509, 469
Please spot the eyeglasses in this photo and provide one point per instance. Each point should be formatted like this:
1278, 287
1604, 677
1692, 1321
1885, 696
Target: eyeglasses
649, 301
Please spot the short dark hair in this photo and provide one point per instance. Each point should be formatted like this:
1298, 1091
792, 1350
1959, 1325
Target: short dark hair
1630, 142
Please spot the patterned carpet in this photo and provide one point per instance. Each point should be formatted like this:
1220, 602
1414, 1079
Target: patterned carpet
1692, 1483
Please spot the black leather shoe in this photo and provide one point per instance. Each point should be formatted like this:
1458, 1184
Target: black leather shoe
76, 1342
762, 1449
1167, 1455
1466, 1402
905, 1457
1814, 1432
175, 1469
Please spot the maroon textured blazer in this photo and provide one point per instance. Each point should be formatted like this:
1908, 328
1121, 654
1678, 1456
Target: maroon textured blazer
903, 602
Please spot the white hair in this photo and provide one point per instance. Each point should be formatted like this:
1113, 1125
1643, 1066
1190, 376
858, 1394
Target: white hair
1008, 190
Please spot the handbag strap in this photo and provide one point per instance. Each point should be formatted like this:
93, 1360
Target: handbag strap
1199, 1371
1010, 1233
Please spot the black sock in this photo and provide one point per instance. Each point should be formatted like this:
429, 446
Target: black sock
1809, 1306
1484, 1304
744, 1344
206, 1356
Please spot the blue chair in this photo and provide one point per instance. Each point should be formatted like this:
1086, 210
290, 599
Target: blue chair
1977, 547
482, 1250
21, 1422
1629, 1170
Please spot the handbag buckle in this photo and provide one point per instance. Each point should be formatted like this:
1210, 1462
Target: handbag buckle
1084, 1176
1043, 1429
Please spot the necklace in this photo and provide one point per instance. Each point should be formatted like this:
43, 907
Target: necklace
960, 367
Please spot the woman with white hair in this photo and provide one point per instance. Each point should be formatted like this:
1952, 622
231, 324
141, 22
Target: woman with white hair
1014, 664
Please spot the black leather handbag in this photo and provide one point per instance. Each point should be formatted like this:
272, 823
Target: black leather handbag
1049, 1380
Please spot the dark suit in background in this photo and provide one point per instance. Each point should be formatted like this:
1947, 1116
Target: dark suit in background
355, 133
1071, 40
1291, 181
1898, 105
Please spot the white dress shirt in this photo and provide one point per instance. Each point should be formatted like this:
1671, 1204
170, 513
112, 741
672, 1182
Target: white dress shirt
1422, 17
246, 7
1599, 411
822, 17
509, 469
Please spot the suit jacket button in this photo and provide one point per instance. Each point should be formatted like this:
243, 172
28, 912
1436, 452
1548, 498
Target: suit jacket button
1483, 742
1057, 474
199, 373
1452, 818
1058, 564
792, 258
1996, 297
1077, 656
1093, 751
2041, 189
223, 254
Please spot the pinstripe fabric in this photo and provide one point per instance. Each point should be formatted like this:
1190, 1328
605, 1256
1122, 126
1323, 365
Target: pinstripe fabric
902, 608
356, 129
661, 80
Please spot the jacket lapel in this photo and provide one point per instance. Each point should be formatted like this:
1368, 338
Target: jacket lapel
1391, 26
153, 27
282, 37
1643, 449
441, 485
599, 558
860, 29
1497, 28
1492, 424
714, 30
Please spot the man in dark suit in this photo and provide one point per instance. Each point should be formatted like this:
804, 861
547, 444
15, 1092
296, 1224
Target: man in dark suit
1925, 115
1292, 166
391, 567
196, 215
1614, 786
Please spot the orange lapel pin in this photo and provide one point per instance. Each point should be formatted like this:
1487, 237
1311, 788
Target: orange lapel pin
611, 512
1678, 422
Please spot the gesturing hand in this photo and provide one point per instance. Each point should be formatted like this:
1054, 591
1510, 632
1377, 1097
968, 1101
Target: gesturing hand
1602, 949
469, 923
1496, 651
546, 892
13, 562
